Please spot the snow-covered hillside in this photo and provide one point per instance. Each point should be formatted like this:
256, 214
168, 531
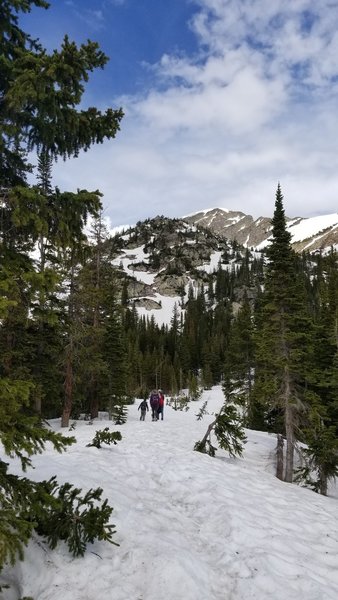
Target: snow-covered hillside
314, 233
161, 259
311, 231
190, 527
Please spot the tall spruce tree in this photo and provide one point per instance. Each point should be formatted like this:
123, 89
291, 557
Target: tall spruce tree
115, 352
283, 338
238, 378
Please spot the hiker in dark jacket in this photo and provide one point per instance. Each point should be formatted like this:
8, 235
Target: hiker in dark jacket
160, 404
154, 403
144, 409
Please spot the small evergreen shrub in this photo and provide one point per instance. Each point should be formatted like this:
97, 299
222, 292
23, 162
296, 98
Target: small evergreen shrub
321, 459
179, 403
56, 512
104, 436
61, 513
202, 411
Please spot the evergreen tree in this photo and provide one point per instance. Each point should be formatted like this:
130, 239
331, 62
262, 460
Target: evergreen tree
240, 357
39, 96
284, 337
116, 357
228, 429
39, 93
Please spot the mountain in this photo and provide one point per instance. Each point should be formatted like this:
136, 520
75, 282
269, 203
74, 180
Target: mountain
161, 258
315, 233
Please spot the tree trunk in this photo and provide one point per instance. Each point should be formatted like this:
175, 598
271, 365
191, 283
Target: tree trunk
280, 457
288, 409
323, 484
69, 379
67, 407
209, 430
94, 402
289, 431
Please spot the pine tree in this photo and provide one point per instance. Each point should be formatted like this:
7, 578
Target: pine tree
39, 96
240, 357
284, 338
39, 93
116, 356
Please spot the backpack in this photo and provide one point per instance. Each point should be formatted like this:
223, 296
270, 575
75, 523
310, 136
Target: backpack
143, 405
154, 400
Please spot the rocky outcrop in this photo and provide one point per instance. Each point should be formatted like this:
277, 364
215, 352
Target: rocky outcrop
137, 289
171, 285
147, 303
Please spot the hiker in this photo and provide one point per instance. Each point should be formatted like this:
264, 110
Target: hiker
160, 404
144, 408
154, 402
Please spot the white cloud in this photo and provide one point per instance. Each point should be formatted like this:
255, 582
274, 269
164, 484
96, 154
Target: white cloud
256, 106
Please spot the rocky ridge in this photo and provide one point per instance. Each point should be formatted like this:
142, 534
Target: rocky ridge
160, 258
312, 234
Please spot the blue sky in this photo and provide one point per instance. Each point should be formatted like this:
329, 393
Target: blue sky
222, 99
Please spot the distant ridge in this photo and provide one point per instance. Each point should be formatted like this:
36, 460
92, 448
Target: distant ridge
311, 234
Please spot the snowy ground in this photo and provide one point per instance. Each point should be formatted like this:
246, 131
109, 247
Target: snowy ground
190, 527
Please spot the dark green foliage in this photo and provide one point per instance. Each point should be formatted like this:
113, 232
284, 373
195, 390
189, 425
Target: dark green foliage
240, 358
321, 458
15, 529
39, 96
283, 339
179, 403
228, 429
105, 437
21, 433
115, 353
64, 514
119, 411
44, 174
202, 411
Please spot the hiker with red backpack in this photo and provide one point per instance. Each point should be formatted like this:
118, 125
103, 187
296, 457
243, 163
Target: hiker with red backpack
160, 404
154, 404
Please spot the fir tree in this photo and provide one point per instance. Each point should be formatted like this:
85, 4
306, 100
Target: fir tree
238, 378
284, 337
39, 96
116, 357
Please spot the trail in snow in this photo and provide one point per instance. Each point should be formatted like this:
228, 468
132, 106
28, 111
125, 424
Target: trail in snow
190, 527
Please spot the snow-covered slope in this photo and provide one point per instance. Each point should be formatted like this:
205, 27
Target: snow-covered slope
190, 527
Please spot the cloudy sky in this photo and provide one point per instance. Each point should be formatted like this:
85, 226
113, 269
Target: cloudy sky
222, 99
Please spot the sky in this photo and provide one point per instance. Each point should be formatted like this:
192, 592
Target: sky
223, 99
190, 527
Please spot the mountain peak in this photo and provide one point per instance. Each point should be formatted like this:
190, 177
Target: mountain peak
312, 234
